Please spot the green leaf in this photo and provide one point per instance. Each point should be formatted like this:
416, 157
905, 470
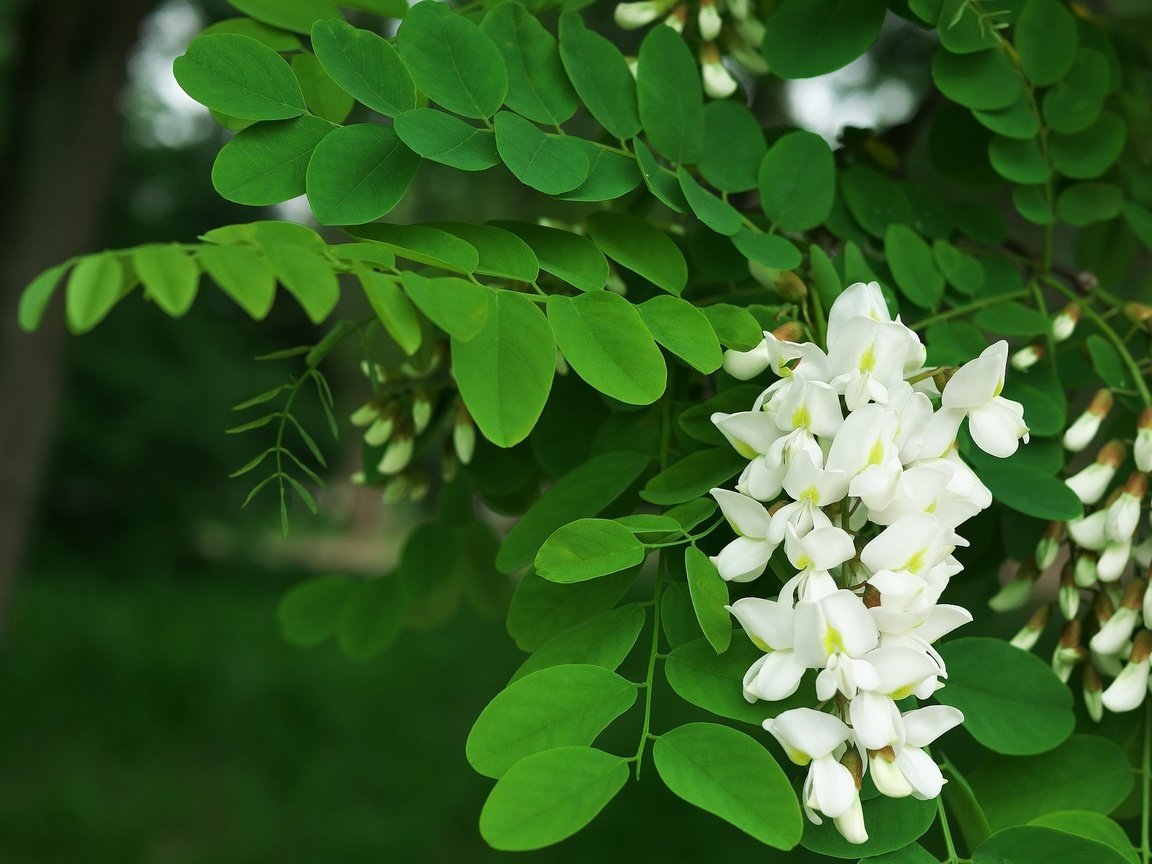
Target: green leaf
501, 252
641, 247
693, 476
1035, 845
458, 307
309, 613
718, 215
384, 8
541, 609
709, 597
243, 275
1045, 38
537, 86
1012, 319
914, 854
307, 276
358, 173
1032, 203
1018, 120
893, 823
1107, 363
452, 61
771, 250
169, 274
1085, 203
806, 38
661, 182
365, 65
913, 266
584, 491
505, 372
962, 271
1074, 103
873, 200
267, 163
797, 181
422, 244
239, 76
1045, 407
565, 255
273, 37
1091, 826
696, 420
1019, 161
1027, 488
985, 80
734, 325
1088, 154
610, 175
297, 15
601, 77
548, 163
447, 139
730, 775
556, 707
684, 330
669, 97
1139, 220
324, 97
94, 287
371, 254
36, 297
601, 641
587, 549
1021, 710
427, 561
373, 617
1084, 773
393, 309
691, 513
962, 29
549, 796
603, 338
733, 146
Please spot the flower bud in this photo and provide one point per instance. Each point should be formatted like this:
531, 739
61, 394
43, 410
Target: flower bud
1027, 357
464, 435
943, 376
789, 331
1142, 450
418, 485
1084, 428
1139, 314
1123, 515
365, 414
718, 81
1033, 628
741, 10
398, 453
1113, 561
1091, 482
889, 779
1091, 684
638, 13
380, 431
1117, 629
1064, 324
1048, 547
708, 20
1085, 572
850, 823
395, 490
1068, 651
1069, 595
677, 18
1127, 692
449, 464
1016, 592
1142, 554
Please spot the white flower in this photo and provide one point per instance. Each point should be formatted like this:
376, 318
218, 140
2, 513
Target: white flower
1127, 692
718, 81
1113, 560
772, 353
1084, 428
866, 358
745, 558
810, 737
859, 300
923, 488
914, 543
638, 13
904, 768
1064, 324
865, 450
771, 627
708, 20
836, 624
996, 423
1091, 482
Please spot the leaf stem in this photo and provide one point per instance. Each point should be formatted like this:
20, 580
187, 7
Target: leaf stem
1146, 779
953, 858
653, 652
975, 305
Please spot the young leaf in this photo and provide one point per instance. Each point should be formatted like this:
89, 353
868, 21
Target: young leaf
693, 476
805, 38
601, 77
549, 796
358, 173
447, 139
537, 86
1029, 844
452, 61
457, 306
732, 776
684, 330
797, 181
243, 275
669, 98
583, 492
641, 247
548, 163
238, 76
307, 276
309, 613
297, 15
605, 341
565, 255
540, 609
38, 295
587, 549
913, 266
505, 372
365, 65
94, 287
556, 707
267, 163
169, 274
373, 617
709, 597
601, 641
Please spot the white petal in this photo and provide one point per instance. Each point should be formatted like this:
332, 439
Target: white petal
747, 364
750, 433
743, 560
978, 381
924, 725
901, 669
876, 720
997, 427
889, 779
923, 774
776, 678
1127, 692
1116, 631
851, 825
833, 788
746, 515
807, 731
858, 299
769, 624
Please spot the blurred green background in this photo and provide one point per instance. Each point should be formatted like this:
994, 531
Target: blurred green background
152, 712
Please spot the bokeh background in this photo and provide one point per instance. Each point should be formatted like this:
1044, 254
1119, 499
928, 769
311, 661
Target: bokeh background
151, 710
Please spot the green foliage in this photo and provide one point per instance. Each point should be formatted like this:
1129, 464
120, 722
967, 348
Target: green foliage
365, 65
1029, 845
587, 549
239, 76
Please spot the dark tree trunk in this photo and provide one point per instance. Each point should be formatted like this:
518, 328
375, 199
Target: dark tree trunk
60, 148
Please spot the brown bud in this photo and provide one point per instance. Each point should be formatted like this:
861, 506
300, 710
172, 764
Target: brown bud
1136, 485
773, 509
1101, 402
1113, 453
791, 331
871, 597
1139, 313
1102, 608
943, 376
852, 761
1134, 595
1091, 678
1038, 620
1054, 531
791, 287
1145, 421
1141, 647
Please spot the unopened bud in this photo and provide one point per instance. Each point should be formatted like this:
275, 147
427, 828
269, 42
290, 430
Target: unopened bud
677, 19
708, 20
887, 776
1102, 608
421, 410
1064, 324
1069, 594
791, 287
871, 597
943, 376
1085, 572
1113, 560
464, 435
1139, 314
855, 765
640, 13
1123, 514
1048, 547
718, 81
380, 431
1027, 357
1068, 651
1084, 428
1092, 687
395, 490
1016, 592
418, 485
365, 414
1032, 630
398, 453
1142, 449
791, 331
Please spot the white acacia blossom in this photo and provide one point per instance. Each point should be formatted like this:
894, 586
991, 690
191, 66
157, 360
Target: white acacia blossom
853, 472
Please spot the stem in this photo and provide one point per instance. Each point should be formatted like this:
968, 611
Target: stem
969, 307
1146, 779
653, 650
947, 830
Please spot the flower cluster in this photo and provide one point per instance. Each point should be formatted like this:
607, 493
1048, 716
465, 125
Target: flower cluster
725, 27
854, 453
1104, 595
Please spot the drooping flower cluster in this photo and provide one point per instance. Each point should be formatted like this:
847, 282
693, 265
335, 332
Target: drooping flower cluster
1104, 559
854, 473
